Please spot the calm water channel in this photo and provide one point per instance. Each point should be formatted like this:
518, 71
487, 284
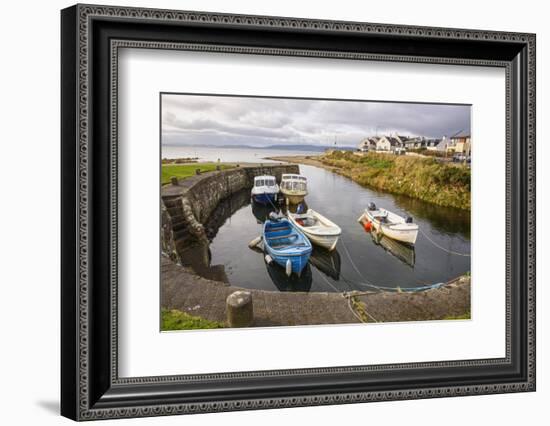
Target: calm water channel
361, 259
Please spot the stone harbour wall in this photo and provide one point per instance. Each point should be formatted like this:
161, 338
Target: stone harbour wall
188, 205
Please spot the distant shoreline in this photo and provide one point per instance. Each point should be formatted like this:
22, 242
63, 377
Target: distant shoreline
310, 160
298, 147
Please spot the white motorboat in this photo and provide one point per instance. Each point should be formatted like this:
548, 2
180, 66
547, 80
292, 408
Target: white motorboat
319, 230
265, 190
390, 224
294, 188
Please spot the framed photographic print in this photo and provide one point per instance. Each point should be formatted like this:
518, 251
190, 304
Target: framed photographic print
264, 212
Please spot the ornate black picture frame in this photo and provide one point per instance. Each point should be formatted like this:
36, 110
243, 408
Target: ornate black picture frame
91, 36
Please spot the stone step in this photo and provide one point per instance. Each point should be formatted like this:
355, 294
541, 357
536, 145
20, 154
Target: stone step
170, 202
184, 242
174, 212
180, 234
178, 222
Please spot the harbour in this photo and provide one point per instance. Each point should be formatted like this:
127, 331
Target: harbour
361, 261
271, 216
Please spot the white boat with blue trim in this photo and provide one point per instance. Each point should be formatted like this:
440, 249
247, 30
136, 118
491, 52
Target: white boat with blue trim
265, 190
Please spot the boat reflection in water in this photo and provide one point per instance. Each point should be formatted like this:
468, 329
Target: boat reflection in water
261, 211
328, 262
294, 282
403, 252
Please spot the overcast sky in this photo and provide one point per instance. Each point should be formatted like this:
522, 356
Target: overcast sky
219, 120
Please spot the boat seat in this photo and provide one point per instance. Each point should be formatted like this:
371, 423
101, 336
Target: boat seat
276, 237
276, 229
283, 237
288, 245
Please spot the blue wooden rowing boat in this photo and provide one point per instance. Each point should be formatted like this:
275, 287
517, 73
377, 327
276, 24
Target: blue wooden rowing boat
285, 245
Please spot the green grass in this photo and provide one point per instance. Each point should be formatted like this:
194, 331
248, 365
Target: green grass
182, 171
177, 320
444, 184
464, 316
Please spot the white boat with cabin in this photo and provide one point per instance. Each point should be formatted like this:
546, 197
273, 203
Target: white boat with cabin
319, 230
294, 187
265, 190
390, 224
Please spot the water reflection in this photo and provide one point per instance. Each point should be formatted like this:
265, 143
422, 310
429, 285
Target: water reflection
358, 257
293, 283
225, 210
328, 262
198, 257
261, 212
445, 219
403, 252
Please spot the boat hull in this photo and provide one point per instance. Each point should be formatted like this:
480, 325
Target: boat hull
325, 236
264, 198
406, 233
298, 263
327, 242
405, 236
294, 198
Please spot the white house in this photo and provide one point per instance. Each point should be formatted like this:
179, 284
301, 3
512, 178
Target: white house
431, 144
444, 144
388, 143
462, 143
399, 144
368, 144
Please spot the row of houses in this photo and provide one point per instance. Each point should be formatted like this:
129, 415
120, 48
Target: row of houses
457, 144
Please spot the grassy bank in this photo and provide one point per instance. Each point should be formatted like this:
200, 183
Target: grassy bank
465, 316
427, 179
182, 171
178, 320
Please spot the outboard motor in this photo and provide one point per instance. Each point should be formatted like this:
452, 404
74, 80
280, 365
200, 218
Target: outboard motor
409, 219
273, 217
371, 206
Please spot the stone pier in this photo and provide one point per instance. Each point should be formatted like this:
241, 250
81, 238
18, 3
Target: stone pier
187, 206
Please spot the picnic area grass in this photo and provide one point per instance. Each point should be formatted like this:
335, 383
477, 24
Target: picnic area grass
182, 171
172, 319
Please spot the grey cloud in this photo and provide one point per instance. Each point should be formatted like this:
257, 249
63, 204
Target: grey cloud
189, 119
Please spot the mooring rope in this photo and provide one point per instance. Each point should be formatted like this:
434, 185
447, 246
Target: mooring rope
368, 284
355, 314
353, 263
442, 248
327, 281
395, 289
347, 296
271, 202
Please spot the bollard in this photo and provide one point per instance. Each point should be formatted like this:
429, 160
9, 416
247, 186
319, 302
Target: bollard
197, 171
174, 180
240, 312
